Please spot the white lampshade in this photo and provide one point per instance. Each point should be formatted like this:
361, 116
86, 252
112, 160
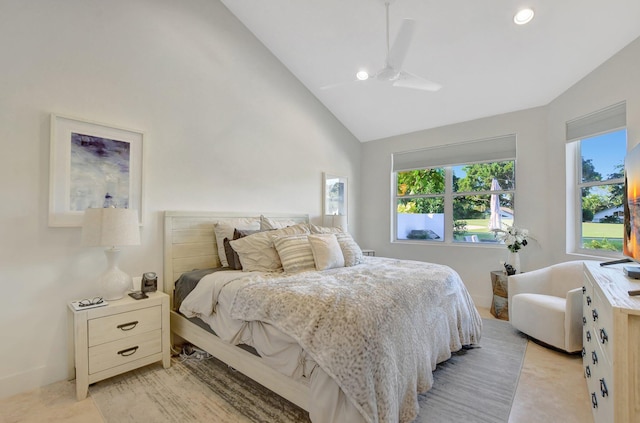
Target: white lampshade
111, 227
339, 221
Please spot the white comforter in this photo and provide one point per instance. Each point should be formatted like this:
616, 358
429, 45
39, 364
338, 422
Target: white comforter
378, 330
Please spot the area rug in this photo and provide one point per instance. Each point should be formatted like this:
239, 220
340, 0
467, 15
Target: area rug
475, 385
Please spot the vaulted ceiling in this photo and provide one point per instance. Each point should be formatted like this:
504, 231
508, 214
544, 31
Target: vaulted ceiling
486, 64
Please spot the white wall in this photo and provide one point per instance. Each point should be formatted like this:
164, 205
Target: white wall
473, 263
541, 191
227, 127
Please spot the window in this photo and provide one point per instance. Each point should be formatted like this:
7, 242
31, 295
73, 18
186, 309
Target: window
598, 153
449, 200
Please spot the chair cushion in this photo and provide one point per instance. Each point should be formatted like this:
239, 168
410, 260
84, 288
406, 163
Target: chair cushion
540, 316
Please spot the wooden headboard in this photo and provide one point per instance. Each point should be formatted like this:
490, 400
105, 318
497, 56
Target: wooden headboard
189, 240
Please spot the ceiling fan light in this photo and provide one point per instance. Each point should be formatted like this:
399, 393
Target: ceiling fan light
523, 16
362, 75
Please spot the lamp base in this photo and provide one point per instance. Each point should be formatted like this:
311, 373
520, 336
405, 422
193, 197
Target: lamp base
114, 283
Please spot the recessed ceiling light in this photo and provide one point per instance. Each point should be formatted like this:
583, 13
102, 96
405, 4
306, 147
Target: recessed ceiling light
523, 16
362, 75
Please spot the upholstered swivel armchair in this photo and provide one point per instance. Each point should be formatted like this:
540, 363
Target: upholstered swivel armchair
546, 304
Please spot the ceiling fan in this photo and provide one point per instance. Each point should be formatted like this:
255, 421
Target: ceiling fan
392, 72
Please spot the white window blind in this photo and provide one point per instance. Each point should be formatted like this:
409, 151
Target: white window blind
605, 120
491, 149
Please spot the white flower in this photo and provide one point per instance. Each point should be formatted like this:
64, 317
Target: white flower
513, 237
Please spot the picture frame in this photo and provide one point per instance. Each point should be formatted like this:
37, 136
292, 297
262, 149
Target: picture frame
335, 189
93, 164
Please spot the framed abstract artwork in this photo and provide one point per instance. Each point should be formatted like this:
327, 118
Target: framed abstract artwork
93, 165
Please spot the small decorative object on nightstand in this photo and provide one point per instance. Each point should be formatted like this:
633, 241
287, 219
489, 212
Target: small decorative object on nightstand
500, 302
116, 338
371, 253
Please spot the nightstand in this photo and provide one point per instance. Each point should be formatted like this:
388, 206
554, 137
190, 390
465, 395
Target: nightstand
124, 335
371, 253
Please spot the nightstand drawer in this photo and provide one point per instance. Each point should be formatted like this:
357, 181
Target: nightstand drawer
123, 325
116, 353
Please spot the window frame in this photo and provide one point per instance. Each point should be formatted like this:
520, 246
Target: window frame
576, 241
448, 199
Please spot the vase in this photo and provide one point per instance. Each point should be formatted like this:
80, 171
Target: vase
513, 259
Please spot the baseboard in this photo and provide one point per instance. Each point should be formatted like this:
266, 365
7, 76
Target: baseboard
26, 381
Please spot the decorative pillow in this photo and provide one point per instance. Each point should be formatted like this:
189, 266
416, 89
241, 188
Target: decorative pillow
294, 252
350, 249
224, 229
267, 223
326, 250
257, 252
232, 256
233, 260
315, 229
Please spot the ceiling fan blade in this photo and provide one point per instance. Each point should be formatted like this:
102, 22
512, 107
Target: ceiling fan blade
408, 80
400, 47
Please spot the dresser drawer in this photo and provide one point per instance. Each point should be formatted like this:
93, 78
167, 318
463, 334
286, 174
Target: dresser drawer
600, 387
123, 325
116, 353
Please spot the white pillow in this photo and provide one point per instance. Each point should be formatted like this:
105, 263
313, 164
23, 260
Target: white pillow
315, 229
224, 229
257, 253
350, 249
267, 223
327, 253
295, 253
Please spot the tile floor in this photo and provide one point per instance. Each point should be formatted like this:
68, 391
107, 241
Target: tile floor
551, 389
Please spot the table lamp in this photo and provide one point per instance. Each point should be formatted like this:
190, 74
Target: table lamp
339, 221
111, 227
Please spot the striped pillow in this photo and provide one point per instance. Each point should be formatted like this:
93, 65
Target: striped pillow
295, 253
350, 249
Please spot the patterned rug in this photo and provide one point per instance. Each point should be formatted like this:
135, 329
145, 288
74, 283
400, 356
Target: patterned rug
475, 385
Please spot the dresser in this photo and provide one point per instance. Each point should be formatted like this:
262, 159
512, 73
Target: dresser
611, 344
124, 335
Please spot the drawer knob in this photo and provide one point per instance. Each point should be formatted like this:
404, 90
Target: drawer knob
128, 351
594, 314
584, 352
584, 289
594, 357
587, 371
603, 336
588, 300
588, 336
584, 320
127, 326
594, 400
603, 388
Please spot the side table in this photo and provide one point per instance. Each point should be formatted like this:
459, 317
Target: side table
500, 302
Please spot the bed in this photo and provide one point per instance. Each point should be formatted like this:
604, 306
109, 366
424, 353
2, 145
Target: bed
327, 366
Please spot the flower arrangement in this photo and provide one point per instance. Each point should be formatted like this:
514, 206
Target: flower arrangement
513, 237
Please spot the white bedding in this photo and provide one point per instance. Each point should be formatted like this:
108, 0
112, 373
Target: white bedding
448, 320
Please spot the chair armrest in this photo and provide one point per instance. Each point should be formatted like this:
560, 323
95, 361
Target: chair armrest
573, 320
535, 282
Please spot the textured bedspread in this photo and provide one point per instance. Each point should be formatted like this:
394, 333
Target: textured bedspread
378, 330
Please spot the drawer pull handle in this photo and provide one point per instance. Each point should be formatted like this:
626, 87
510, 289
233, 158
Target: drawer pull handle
128, 351
587, 371
584, 352
603, 336
594, 314
584, 289
594, 357
588, 336
584, 320
603, 388
127, 326
594, 400
588, 300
